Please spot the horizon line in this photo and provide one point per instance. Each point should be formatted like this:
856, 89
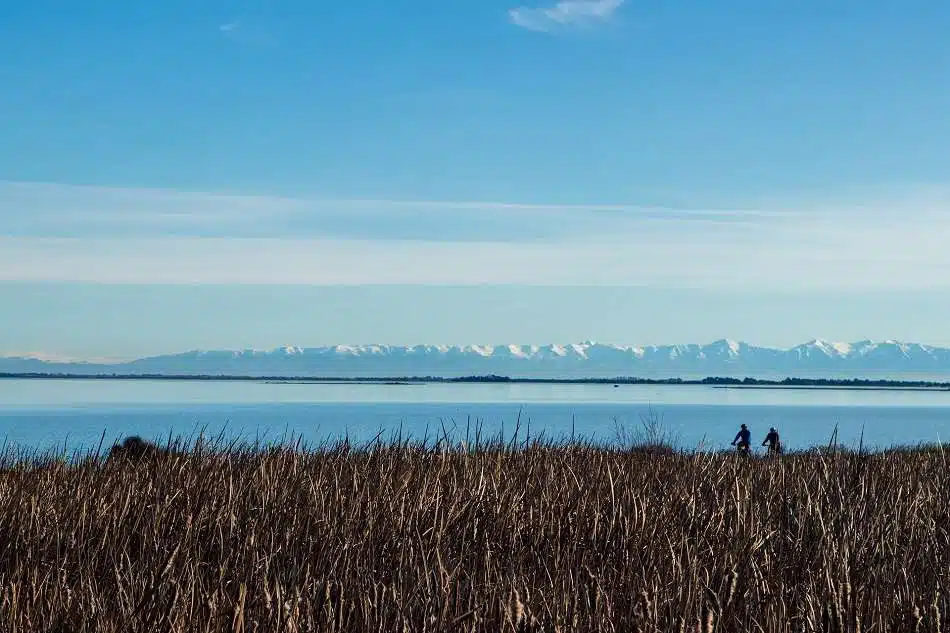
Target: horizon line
838, 383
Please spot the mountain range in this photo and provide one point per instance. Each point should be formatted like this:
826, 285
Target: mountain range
727, 358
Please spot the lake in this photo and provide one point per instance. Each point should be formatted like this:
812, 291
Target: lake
74, 414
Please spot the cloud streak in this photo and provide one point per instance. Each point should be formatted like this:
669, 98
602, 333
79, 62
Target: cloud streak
246, 33
144, 236
566, 14
738, 260
50, 210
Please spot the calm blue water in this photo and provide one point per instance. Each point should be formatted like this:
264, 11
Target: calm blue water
76, 414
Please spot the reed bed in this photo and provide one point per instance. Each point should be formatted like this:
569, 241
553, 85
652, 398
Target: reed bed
536, 537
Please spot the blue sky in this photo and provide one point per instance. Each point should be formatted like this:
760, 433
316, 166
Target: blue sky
266, 173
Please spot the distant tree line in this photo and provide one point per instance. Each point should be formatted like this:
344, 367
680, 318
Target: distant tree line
492, 378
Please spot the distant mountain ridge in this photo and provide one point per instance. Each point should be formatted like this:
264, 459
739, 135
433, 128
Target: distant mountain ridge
725, 357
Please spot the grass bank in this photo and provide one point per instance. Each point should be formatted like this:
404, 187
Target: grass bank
542, 537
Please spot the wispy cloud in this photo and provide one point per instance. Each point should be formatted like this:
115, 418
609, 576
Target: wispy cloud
250, 33
66, 233
564, 14
52, 210
739, 261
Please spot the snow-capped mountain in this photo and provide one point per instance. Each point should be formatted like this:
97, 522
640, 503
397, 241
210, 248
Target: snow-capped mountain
817, 358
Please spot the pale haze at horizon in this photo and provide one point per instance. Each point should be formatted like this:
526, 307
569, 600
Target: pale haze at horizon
286, 173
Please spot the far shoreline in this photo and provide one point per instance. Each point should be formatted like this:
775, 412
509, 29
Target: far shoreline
827, 384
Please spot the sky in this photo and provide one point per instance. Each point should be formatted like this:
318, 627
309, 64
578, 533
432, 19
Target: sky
232, 174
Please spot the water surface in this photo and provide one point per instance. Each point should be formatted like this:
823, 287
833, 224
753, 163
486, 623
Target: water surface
76, 413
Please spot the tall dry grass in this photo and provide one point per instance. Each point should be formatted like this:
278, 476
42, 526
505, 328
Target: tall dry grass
535, 538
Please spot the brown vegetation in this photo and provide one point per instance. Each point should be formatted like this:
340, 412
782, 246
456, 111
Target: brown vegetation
543, 538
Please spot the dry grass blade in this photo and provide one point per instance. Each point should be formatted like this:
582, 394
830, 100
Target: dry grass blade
524, 537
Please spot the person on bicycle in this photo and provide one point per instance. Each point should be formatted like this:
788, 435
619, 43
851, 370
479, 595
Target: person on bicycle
743, 439
772, 440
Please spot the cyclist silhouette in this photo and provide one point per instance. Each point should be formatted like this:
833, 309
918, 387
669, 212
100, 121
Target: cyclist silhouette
773, 442
743, 439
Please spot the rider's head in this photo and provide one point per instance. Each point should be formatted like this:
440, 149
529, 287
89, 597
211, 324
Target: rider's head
743, 425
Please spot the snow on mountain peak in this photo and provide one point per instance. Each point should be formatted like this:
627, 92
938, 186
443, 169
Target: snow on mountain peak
724, 357
842, 348
823, 348
731, 345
